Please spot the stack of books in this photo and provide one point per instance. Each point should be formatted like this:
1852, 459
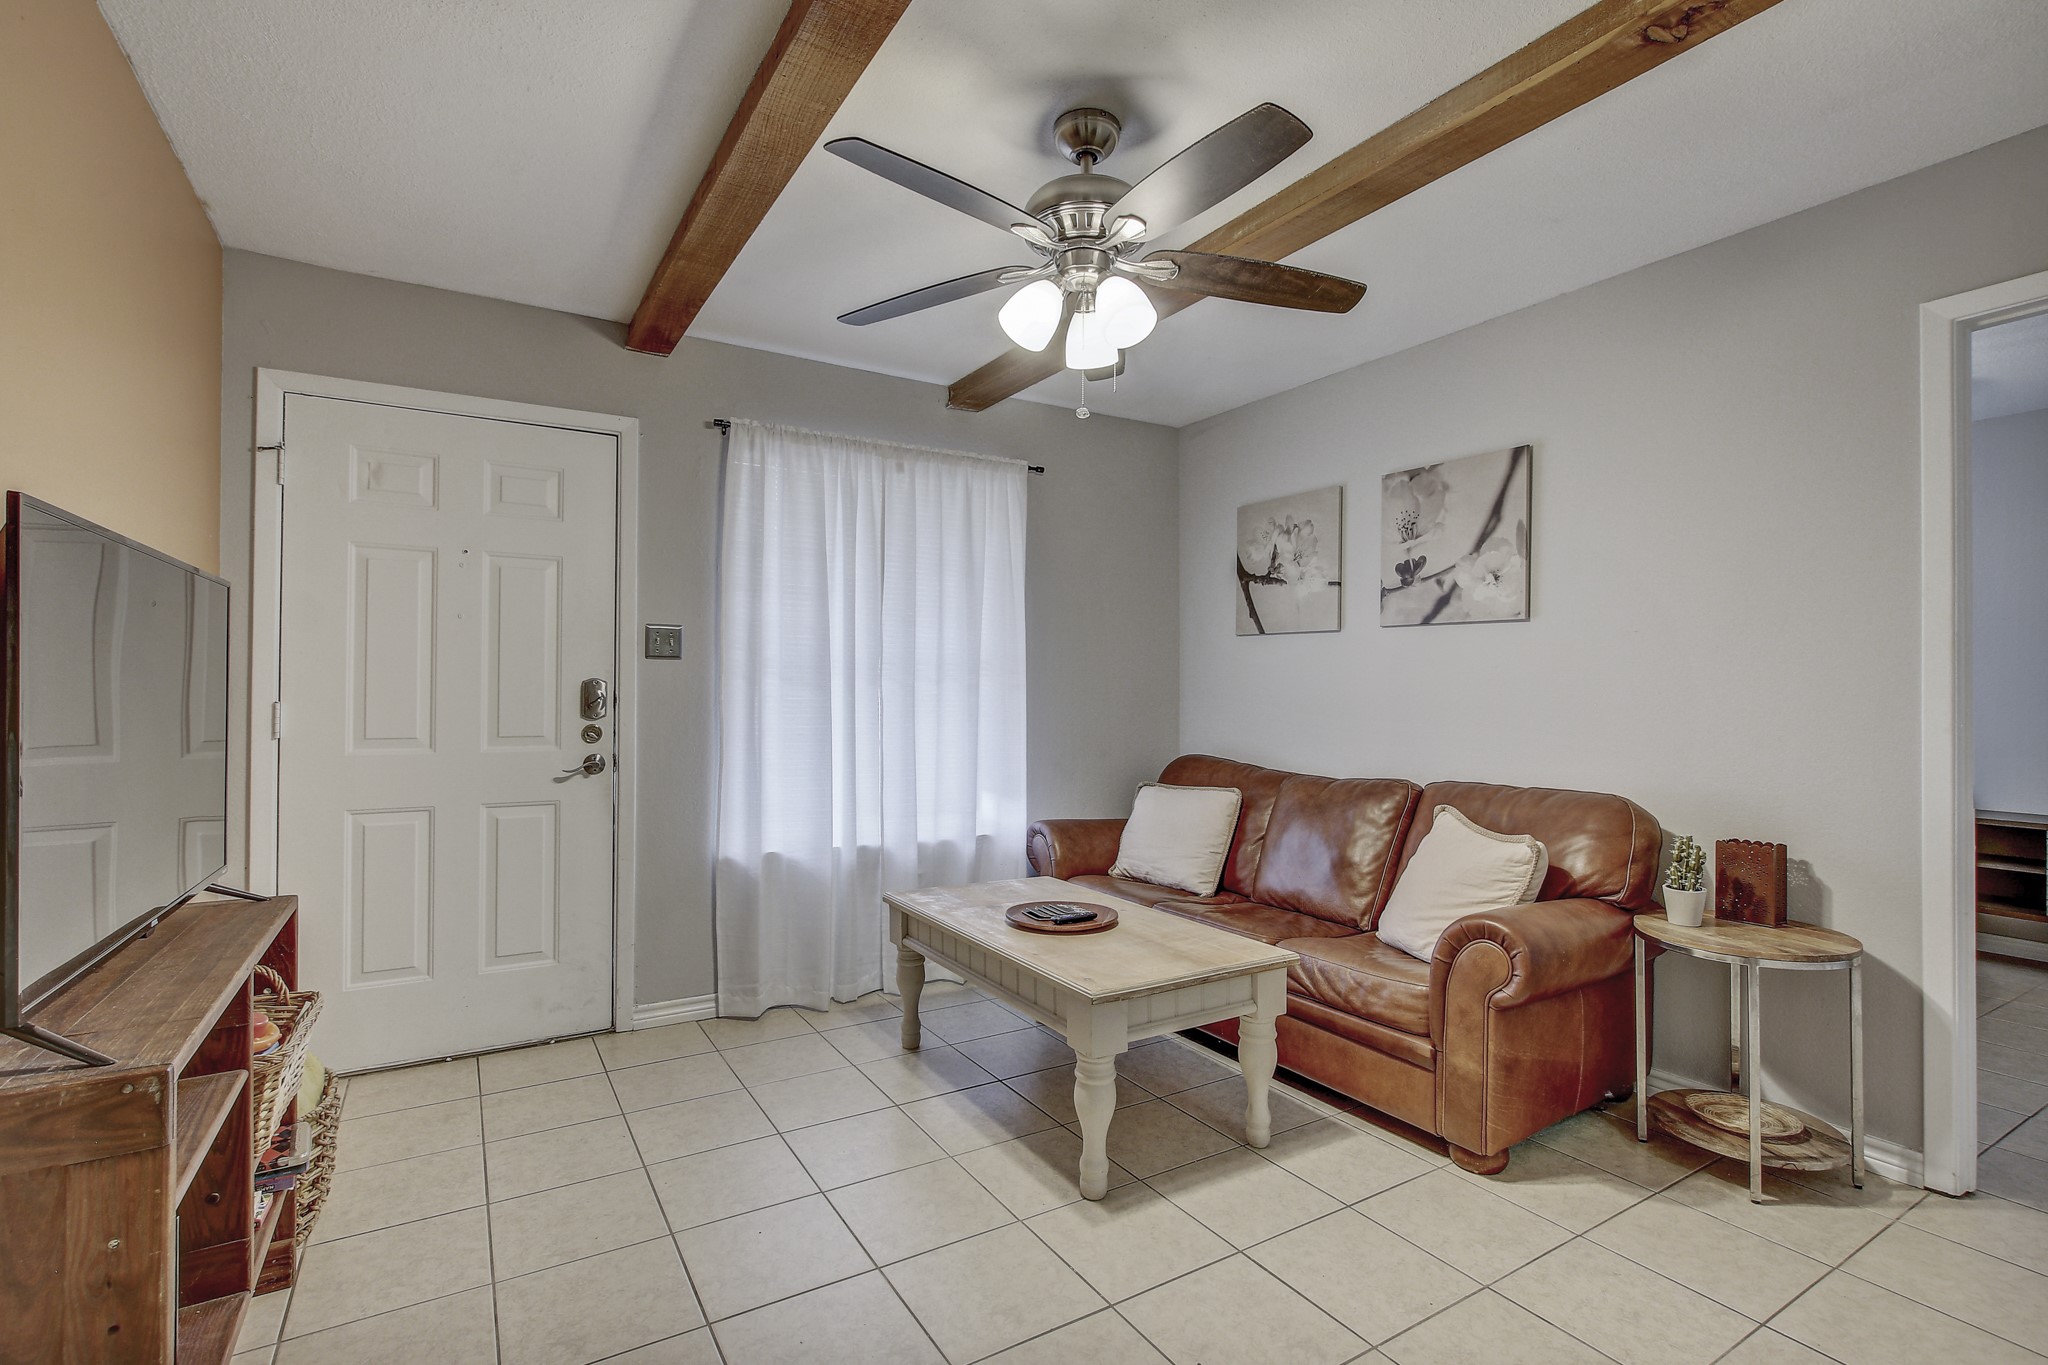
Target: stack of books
282, 1163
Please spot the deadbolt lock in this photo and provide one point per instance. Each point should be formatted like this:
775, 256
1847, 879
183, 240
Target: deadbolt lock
592, 733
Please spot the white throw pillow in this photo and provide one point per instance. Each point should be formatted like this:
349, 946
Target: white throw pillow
1459, 869
1178, 836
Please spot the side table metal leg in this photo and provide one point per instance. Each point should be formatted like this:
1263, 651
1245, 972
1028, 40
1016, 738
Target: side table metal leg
1752, 1067
1856, 1072
1735, 1008
1642, 1041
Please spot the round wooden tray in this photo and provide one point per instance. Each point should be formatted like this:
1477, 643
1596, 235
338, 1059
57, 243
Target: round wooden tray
1729, 1112
1105, 918
1820, 1149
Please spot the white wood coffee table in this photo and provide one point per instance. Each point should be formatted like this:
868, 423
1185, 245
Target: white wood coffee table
1152, 973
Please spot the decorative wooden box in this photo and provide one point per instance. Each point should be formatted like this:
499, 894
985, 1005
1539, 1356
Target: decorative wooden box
1749, 881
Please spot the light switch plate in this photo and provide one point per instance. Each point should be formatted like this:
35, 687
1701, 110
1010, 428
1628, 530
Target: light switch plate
664, 642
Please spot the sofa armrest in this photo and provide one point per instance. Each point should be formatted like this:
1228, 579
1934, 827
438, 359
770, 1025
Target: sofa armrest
1531, 1010
1073, 848
1549, 947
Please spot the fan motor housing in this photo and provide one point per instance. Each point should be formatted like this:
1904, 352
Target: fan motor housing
1074, 205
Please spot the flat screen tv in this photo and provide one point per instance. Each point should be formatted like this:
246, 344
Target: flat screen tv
114, 803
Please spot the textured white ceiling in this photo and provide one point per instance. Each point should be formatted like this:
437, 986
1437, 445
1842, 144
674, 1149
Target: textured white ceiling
533, 150
540, 151
2009, 368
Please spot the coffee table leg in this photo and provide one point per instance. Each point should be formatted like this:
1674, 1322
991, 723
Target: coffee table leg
1258, 1052
1094, 1103
910, 984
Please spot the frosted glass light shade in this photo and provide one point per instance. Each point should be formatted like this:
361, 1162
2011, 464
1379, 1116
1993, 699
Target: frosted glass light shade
1032, 315
1088, 343
1128, 317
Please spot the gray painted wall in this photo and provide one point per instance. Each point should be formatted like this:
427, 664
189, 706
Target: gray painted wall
1103, 601
1725, 576
2009, 610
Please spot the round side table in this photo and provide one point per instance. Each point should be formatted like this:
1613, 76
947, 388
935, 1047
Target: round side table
1720, 1121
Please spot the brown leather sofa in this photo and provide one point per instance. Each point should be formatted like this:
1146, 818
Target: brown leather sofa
1524, 1016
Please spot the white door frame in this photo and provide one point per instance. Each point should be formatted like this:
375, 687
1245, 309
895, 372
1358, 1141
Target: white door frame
266, 552
1948, 892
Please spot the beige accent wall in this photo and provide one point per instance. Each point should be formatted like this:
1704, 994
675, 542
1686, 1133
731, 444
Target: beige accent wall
109, 292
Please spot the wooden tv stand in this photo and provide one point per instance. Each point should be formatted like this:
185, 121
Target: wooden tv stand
127, 1192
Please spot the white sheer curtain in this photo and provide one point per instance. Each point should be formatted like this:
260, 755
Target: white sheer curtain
871, 700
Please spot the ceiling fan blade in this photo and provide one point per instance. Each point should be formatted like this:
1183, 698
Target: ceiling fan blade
1249, 281
933, 184
1209, 172
931, 296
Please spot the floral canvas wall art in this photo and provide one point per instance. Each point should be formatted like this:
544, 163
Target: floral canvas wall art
1454, 541
1290, 563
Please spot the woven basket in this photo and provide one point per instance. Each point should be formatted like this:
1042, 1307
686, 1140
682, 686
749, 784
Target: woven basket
274, 1077
313, 1185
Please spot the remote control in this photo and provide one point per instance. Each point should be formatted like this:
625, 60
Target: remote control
1060, 914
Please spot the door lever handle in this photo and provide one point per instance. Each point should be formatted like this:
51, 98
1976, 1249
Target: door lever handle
591, 766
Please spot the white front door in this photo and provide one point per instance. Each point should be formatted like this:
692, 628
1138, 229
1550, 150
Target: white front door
448, 583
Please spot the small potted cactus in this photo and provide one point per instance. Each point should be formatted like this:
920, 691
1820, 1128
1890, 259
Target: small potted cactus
1685, 884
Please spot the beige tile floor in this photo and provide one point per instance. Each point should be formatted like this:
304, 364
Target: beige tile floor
795, 1189
2012, 1080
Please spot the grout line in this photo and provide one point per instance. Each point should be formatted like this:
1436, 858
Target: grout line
381, 1313
490, 1248
1987, 1331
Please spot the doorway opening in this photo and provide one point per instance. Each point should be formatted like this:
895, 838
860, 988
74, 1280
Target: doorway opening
1984, 799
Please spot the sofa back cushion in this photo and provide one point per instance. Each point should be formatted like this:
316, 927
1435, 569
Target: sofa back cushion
1258, 785
1600, 846
1331, 843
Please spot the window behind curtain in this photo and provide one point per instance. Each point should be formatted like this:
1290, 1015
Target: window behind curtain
871, 700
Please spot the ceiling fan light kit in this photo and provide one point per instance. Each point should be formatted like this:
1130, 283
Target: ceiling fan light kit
1033, 314
1087, 294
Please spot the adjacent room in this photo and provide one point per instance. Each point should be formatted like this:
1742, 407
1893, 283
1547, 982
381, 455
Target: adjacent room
628, 738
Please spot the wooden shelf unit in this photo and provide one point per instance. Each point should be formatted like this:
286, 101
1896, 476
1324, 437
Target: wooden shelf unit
128, 1191
2012, 871
202, 1107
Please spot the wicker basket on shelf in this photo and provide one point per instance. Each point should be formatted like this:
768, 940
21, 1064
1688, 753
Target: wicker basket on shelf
313, 1185
275, 1075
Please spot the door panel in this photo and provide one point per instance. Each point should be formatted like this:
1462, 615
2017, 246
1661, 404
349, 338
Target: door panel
448, 582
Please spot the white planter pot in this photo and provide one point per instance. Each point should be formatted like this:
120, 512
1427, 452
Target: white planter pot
1685, 908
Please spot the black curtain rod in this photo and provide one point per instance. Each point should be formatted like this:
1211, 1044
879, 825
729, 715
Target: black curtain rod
724, 424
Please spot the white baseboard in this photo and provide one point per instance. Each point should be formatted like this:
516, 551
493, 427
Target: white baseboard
1888, 1159
660, 1012
2012, 947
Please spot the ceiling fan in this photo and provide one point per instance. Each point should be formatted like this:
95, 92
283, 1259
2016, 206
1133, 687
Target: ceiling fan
1088, 292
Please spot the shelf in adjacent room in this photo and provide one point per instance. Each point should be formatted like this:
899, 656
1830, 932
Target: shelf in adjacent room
203, 1105
2035, 865
207, 1331
2008, 910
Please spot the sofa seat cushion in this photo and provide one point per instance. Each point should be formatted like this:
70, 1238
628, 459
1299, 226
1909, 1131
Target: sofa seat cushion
1144, 893
1363, 976
1265, 922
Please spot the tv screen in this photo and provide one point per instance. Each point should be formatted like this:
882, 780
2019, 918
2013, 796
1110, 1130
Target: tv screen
116, 680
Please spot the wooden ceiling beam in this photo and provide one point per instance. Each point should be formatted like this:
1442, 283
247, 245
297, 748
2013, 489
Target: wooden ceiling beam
818, 53
1593, 52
